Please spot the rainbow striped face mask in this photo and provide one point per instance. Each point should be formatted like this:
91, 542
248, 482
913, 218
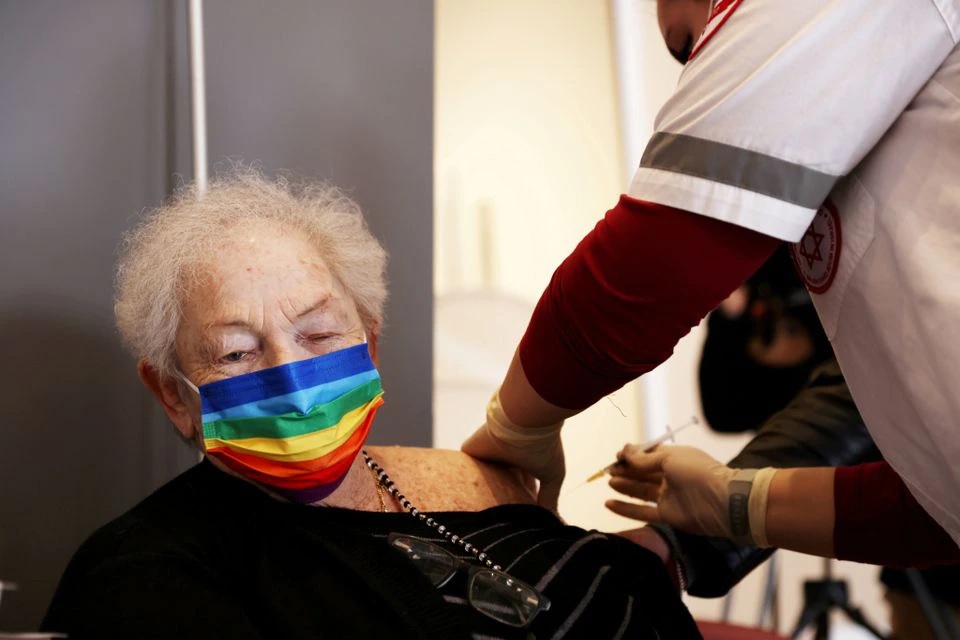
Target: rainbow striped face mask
296, 428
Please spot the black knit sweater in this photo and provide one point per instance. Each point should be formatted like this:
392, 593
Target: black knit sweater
209, 556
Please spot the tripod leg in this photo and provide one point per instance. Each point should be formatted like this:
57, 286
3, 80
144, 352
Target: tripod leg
819, 596
768, 606
812, 612
823, 626
727, 607
929, 606
856, 615
949, 617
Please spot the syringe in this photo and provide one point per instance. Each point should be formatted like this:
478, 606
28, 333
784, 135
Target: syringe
670, 433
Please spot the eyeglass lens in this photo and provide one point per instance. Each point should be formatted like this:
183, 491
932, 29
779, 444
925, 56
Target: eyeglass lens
436, 563
492, 593
503, 598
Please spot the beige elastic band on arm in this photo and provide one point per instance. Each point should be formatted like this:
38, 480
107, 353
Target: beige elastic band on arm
757, 506
504, 429
738, 505
747, 499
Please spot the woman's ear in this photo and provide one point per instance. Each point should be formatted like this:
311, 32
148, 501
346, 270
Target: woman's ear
168, 392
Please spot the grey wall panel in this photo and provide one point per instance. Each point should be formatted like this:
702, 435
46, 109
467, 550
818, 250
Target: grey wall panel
83, 134
343, 90
94, 120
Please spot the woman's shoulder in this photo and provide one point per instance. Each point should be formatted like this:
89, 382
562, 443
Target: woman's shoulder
444, 480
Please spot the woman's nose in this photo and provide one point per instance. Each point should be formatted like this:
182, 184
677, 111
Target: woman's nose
285, 353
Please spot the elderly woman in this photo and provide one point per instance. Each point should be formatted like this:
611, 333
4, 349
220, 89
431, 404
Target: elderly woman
255, 314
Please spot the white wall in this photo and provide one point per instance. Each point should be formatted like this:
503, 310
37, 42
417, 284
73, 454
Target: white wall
528, 157
526, 131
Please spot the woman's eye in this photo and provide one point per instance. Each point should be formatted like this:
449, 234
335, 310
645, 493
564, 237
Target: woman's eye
234, 356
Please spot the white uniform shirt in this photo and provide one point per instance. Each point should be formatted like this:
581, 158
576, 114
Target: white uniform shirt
835, 124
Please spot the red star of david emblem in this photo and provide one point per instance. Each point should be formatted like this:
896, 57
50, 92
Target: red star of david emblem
817, 238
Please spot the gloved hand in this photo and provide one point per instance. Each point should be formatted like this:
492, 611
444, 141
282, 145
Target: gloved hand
537, 450
692, 492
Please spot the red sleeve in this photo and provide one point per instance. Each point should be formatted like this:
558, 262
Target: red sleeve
880, 522
633, 287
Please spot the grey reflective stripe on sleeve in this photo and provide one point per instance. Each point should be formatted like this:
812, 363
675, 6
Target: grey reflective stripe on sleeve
737, 167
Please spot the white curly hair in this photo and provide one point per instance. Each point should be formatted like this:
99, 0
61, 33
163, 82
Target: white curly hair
159, 258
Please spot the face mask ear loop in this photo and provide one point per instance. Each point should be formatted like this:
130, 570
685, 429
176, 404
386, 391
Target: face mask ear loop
187, 382
201, 452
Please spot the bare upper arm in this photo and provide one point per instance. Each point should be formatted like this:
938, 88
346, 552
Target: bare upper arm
444, 480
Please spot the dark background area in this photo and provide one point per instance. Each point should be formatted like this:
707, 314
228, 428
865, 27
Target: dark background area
94, 128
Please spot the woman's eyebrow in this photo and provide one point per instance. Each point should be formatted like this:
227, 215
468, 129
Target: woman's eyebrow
319, 304
229, 323
209, 347
210, 344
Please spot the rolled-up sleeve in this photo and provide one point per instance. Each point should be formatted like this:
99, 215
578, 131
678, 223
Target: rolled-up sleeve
635, 285
878, 521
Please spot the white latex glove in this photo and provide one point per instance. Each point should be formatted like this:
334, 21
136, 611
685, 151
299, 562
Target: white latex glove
537, 450
690, 489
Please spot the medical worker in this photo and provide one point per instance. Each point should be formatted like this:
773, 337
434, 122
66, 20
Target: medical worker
830, 124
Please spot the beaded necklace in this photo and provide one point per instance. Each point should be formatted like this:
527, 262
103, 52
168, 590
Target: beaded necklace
383, 480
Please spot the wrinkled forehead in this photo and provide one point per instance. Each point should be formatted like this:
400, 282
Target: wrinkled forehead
257, 268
